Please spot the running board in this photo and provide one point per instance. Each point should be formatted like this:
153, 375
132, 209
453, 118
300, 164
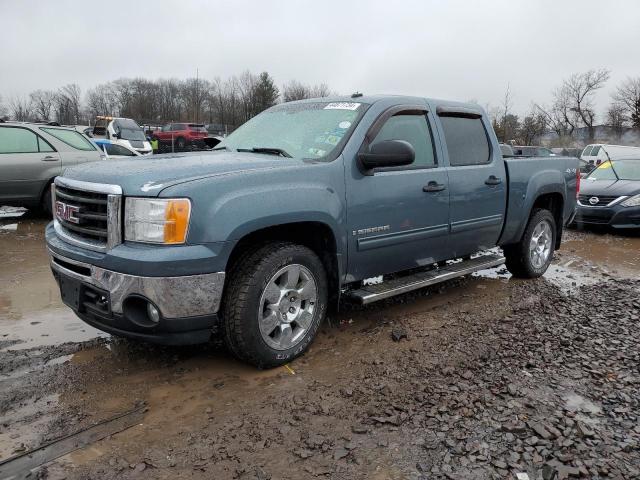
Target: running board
396, 286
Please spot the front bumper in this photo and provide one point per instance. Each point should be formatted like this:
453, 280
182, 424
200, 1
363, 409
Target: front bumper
615, 216
188, 305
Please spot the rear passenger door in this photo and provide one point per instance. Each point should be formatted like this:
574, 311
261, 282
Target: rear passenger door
27, 163
477, 181
398, 218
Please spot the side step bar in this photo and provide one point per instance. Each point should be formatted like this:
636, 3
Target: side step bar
396, 286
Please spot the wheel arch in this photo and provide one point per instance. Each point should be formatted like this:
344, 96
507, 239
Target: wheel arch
315, 235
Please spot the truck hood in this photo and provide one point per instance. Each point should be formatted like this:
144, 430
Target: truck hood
148, 175
609, 187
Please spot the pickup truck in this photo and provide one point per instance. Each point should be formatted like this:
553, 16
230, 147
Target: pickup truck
295, 210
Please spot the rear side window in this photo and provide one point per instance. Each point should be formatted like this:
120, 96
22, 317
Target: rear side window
413, 129
467, 141
18, 140
71, 138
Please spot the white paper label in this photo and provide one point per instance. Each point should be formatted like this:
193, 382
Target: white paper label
342, 106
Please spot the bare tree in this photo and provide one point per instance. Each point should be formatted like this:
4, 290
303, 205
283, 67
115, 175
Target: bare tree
580, 89
67, 104
20, 108
42, 104
102, 100
617, 118
532, 128
628, 95
3, 109
295, 90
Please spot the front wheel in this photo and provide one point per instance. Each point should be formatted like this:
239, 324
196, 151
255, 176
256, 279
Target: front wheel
531, 257
274, 303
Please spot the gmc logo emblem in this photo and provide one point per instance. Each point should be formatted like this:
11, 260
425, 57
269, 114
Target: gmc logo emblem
67, 212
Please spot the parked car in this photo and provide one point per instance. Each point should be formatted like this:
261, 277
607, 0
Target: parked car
123, 131
506, 150
32, 155
610, 195
115, 150
182, 136
294, 210
532, 151
598, 153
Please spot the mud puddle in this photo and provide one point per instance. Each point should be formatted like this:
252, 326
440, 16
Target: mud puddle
31, 312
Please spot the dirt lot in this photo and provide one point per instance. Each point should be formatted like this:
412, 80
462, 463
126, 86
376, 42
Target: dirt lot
483, 377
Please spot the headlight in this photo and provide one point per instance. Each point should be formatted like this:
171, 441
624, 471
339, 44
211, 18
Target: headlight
632, 202
156, 220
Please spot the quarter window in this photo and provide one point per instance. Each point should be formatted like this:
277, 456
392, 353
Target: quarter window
413, 129
18, 140
467, 141
71, 138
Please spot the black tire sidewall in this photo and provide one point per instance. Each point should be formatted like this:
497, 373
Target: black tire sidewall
258, 351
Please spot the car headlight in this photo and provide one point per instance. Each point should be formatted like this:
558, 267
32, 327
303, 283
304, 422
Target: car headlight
632, 202
156, 220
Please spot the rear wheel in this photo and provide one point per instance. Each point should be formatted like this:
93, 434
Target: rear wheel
180, 143
531, 257
275, 301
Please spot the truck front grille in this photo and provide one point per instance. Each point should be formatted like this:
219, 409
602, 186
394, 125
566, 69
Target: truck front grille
87, 214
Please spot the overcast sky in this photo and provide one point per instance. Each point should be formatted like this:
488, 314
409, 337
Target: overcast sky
459, 50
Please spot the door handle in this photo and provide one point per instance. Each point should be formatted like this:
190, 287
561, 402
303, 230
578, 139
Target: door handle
49, 158
493, 180
433, 187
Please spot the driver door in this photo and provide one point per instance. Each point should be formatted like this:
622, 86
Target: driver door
398, 217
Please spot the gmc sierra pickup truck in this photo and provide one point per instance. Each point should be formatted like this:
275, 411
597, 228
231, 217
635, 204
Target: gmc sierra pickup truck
296, 209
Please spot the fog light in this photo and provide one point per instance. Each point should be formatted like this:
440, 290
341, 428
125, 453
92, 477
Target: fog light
154, 314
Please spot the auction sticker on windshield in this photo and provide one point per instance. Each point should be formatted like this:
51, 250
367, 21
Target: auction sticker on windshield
342, 106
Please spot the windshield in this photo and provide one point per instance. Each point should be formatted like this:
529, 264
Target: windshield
303, 130
128, 129
617, 170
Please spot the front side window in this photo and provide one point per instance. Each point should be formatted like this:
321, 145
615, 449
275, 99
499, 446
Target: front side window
413, 129
587, 151
309, 130
71, 138
44, 145
18, 140
466, 140
595, 150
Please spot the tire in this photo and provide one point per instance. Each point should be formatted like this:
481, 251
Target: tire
530, 258
47, 208
180, 143
270, 315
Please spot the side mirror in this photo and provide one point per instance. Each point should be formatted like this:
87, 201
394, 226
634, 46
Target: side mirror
117, 135
388, 153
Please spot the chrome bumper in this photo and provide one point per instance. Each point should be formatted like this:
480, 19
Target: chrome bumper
175, 297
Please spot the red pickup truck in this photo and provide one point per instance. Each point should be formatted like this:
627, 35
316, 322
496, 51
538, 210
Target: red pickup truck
182, 136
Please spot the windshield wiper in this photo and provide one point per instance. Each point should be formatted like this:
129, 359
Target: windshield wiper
268, 150
224, 147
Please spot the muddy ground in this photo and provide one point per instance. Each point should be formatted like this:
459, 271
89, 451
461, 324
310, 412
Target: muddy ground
483, 377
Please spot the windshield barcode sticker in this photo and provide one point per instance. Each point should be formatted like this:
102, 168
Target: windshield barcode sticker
342, 106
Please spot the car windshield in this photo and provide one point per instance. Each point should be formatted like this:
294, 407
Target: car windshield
310, 130
128, 129
617, 170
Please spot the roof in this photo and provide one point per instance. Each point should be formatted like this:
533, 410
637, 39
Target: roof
371, 99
